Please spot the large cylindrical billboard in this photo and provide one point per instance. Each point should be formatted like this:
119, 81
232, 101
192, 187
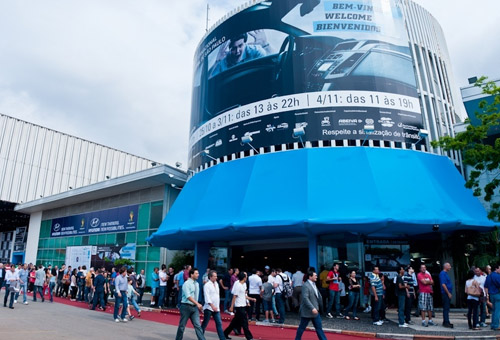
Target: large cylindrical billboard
330, 67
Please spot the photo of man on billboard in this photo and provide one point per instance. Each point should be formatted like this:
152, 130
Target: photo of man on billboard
239, 50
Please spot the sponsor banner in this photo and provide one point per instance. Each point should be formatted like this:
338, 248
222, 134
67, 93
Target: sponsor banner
105, 256
278, 64
105, 221
78, 256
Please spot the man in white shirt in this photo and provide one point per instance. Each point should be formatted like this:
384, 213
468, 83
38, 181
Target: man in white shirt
11, 278
297, 281
212, 302
254, 290
239, 304
280, 298
163, 285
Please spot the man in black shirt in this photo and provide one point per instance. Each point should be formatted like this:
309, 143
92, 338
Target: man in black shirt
225, 283
409, 279
401, 292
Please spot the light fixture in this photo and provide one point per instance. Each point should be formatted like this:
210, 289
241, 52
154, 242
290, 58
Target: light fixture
171, 175
422, 134
153, 163
435, 227
178, 164
369, 129
107, 177
175, 186
206, 152
247, 139
298, 132
70, 188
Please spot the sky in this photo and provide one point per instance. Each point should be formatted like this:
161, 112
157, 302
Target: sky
119, 72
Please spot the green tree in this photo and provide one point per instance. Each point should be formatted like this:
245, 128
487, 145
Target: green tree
478, 152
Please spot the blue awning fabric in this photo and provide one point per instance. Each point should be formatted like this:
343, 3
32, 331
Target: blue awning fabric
317, 191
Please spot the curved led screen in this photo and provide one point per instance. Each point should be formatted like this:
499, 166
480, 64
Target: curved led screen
329, 67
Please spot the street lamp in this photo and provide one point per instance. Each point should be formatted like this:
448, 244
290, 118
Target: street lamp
247, 139
369, 129
298, 132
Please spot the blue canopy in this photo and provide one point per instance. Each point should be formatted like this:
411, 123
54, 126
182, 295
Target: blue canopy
370, 191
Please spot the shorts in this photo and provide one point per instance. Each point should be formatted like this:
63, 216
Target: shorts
268, 305
154, 290
425, 302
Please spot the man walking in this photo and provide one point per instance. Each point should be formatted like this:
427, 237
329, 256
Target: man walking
310, 307
425, 302
23, 281
239, 304
190, 308
297, 282
446, 294
211, 307
39, 281
11, 278
121, 285
99, 282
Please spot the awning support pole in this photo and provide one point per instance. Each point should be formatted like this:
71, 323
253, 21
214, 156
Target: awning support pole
201, 253
313, 252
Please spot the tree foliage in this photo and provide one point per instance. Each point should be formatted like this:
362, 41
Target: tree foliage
478, 152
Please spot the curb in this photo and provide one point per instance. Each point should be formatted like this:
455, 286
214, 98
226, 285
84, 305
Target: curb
388, 336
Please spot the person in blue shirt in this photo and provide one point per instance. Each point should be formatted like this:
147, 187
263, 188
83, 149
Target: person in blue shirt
155, 285
492, 290
446, 293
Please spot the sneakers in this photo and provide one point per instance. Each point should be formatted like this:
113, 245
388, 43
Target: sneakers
25, 302
405, 325
431, 323
424, 324
329, 316
124, 320
378, 323
368, 309
118, 320
15, 301
231, 313
482, 324
340, 316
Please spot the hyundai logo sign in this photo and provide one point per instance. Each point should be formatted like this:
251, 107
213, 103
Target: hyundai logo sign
95, 222
57, 227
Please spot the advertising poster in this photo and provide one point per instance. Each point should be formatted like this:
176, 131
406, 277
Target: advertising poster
388, 255
105, 221
331, 67
78, 256
105, 256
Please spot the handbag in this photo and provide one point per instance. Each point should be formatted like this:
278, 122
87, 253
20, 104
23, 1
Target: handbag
14, 287
473, 289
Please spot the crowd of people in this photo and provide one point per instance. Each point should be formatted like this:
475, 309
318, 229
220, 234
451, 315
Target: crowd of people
265, 295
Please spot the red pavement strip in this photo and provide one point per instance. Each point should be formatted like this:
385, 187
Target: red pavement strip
172, 318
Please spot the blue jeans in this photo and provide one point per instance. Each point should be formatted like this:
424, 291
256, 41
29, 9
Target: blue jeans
227, 299
133, 302
401, 308
334, 297
86, 294
317, 326
189, 312
495, 300
7, 292
51, 289
376, 305
23, 287
38, 289
482, 306
179, 297
446, 308
472, 313
118, 301
280, 304
161, 299
81, 289
353, 304
99, 297
207, 313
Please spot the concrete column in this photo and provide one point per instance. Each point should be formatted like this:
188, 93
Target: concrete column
201, 253
33, 237
313, 252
